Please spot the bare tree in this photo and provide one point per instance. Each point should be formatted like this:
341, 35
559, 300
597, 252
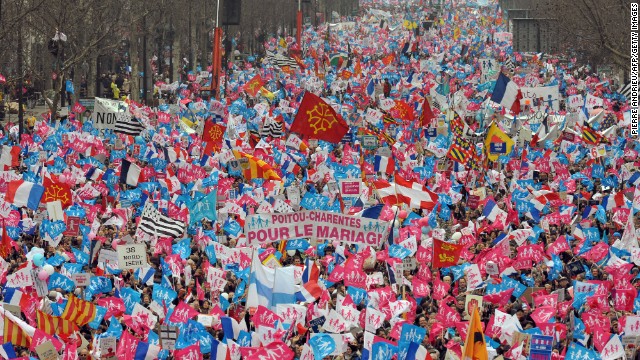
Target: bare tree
595, 31
76, 30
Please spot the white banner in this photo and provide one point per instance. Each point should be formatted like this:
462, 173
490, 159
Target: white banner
541, 97
575, 101
107, 112
593, 101
267, 228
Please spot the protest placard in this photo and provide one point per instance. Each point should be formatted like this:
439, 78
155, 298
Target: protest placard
267, 228
46, 351
132, 256
81, 279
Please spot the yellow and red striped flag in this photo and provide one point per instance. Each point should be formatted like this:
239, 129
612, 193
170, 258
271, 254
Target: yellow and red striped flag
79, 311
13, 332
55, 324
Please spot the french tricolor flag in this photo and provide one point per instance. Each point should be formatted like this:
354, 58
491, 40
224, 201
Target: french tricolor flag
491, 210
7, 351
12, 296
290, 166
309, 292
129, 173
146, 351
311, 271
230, 327
219, 351
10, 157
24, 193
588, 211
612, 201
94, 174
507, 93
384, 164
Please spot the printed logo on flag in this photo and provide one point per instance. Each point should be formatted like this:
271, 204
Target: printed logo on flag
498, 148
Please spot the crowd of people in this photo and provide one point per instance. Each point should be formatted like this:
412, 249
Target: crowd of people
400, 186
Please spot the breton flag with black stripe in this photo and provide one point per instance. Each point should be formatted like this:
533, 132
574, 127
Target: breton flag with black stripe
128, 126
271, 128
280, 60
153, 222
625, 90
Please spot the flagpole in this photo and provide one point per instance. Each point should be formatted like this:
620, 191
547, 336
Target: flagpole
299, 25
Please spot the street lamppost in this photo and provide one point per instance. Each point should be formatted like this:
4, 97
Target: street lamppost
216, 61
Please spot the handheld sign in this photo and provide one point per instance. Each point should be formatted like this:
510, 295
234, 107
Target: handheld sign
132, 256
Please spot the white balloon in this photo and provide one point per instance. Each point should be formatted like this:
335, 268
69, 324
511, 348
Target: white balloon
49, 269
456, 236
291, 252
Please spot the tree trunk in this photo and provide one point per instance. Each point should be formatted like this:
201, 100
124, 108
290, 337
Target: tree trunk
92, 74
54, 103
177, 60
135, 64
194, 49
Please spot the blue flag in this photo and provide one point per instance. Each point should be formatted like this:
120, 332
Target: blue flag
322, 345
204, 209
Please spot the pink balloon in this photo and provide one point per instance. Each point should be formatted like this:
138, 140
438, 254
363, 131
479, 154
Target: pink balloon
403, 214
42, 275
423, 222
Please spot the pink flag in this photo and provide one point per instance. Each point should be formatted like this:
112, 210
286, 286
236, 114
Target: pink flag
600, 338
40, 337
420, 287
182, 313
546, 300
499, 298
354, 275
558, 246
127, 346
440, 289
189, 353
624, 299
597, 253
447, 316
275, 350
594, 321
543, 314
70, 352
199, 291
115, 306
265, 317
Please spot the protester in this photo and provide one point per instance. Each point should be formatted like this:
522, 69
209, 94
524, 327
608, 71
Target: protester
436, 196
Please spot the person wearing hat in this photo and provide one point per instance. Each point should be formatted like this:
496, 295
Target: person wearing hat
563, 282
